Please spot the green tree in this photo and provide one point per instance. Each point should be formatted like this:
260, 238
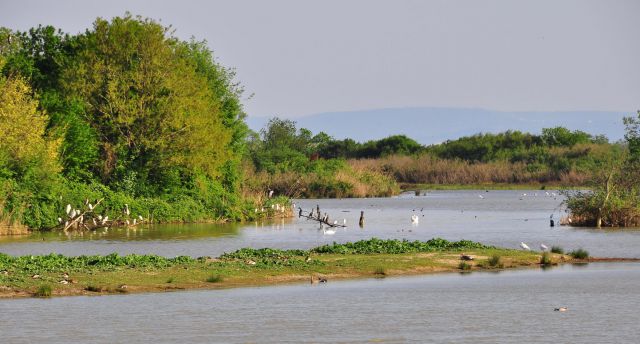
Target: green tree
153, 111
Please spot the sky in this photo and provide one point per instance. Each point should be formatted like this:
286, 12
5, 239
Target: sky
297, 58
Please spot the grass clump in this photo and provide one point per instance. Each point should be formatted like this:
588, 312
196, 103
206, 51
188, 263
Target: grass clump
494, 261
93, 288
215, 279
545, 259
170, 280
380, 271
43, 291
579, 254
464, 266
557, 249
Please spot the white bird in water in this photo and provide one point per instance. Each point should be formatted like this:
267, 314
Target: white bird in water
543, 247
415, 219
344, 222
560, 309
480, 196
524, 246
328, 231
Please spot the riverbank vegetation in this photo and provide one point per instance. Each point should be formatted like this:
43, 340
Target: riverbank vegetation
87, 275
124, 112
614, 196
298, 163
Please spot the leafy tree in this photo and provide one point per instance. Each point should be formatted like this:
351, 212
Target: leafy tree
151, 108
23, 147
632, 136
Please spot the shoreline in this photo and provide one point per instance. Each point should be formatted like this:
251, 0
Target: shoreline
220, 273
493, 186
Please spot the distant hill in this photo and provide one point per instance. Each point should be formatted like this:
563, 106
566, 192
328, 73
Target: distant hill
430, 125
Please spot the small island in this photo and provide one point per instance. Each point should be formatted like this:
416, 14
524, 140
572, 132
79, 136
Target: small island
58, 275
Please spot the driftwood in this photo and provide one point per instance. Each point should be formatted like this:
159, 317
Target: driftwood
321, 219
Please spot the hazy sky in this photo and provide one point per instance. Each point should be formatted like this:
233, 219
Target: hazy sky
302, 57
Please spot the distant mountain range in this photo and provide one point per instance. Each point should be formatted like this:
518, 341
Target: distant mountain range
429, 125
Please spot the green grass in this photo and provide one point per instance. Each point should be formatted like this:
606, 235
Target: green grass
557, 249
43, 290
100, 274
579, 254
93, 288
215, 278
380, 271
545, 259
464, 266
494, 261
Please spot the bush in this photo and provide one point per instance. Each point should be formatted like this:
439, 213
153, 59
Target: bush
557, 249
579, 254
464, 266
545, 259
494, 261
43, 291
215, 279
380, 271
93, 288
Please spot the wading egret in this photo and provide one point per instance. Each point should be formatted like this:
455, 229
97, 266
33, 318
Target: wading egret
524, 246
543, 247
415, 219
328, 231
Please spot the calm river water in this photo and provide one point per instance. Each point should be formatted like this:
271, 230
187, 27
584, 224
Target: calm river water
502, 218
506, 307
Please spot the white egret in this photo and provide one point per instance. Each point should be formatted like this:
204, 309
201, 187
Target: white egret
524, 246
344, 222
270, 193
104, 220
415, 219
100, 217
68, 209
73, 213
59, 220
543, 247
135, 221
94, 222
140, 218
90, 206
480, 196
328, 231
